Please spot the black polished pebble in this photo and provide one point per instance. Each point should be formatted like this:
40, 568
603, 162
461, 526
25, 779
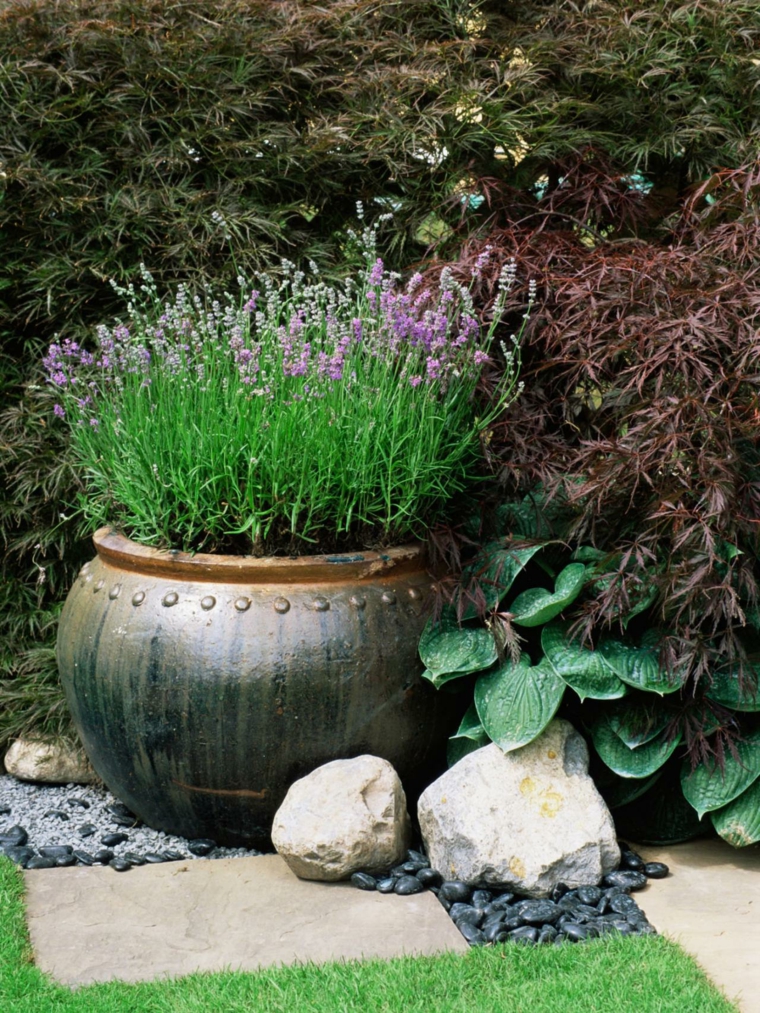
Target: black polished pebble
87, 830
461, 913
172, 856
119, 809
19, 854
407, 885
428, 877
84, 858
120, 864
78, 803
56, 850
58, 814
494, 932
134, 859
655, 870
525, 934
385, 885
40, 862
202, 846
623, 904
13, 837
575, 933
481, 897
417, 856
363, 881
130, 822
111, 840
559, 891
64, 861
503, 900
103, 857
626, 879
589, 895
4, 810
472, 934
152, 858
630, 860
539, 912
546, 934
454, 890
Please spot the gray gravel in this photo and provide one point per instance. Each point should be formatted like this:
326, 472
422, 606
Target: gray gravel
29, 802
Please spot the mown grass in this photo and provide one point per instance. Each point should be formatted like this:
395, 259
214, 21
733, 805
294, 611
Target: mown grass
615, 975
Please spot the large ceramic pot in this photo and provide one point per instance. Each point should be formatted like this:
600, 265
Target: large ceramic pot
203, 686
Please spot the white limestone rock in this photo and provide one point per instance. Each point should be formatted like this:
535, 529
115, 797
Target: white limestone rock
57, 762
342, 817
525, 820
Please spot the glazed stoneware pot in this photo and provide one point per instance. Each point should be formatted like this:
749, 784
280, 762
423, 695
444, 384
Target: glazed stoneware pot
203, 686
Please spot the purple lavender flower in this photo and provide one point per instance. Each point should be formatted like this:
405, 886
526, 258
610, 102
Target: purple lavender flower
57, 410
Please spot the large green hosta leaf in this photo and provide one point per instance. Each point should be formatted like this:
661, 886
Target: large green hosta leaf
642, 761
457, 749
516, 702
739, 822
637, 724
725, 690
495, 568
449, 652
537, 606
625, 790
470, 727
470, 735
708, 788
640, 666
582, 669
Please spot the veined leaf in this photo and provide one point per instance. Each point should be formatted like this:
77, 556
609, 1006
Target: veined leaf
725, 690
627, 789
639, 666
637, 724
582, 669
470, 727
495, 568
708, 788
516, 702
537, 606
640, 762
458, 748
448, 651
739, 822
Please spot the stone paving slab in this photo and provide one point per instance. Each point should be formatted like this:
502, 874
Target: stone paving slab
94, 924
711, 906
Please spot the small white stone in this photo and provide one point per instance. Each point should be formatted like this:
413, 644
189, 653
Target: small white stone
525, 820
342, 817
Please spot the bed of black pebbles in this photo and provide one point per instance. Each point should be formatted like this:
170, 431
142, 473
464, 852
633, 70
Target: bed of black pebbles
47, 826
497, 916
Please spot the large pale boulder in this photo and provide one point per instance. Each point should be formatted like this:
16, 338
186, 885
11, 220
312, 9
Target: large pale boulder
344, 816
58, 762
526, 820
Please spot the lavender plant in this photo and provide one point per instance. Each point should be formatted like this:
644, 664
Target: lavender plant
302, 414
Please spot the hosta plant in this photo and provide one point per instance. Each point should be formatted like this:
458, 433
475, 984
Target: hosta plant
527, 661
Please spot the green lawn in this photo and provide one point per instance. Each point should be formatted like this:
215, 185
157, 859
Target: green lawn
615, 975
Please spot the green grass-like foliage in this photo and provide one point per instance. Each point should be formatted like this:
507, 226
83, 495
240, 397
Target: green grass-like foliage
306, 415
646, 974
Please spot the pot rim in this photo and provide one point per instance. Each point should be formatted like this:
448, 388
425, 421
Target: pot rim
119, 551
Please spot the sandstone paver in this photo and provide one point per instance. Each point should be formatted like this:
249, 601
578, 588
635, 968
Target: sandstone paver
710, 904
94, 924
